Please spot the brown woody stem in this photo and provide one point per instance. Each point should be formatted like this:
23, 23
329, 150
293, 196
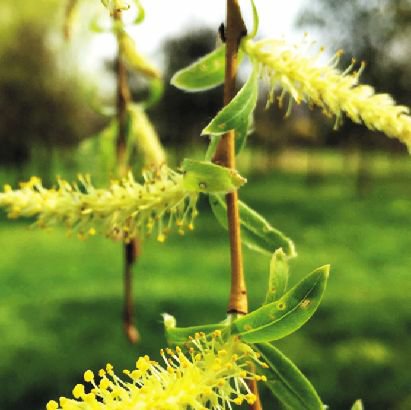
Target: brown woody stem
225, 155
131, 249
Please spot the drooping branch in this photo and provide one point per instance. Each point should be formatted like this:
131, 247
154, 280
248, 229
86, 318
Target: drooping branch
131, 250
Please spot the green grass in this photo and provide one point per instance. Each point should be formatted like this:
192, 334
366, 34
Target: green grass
61, 299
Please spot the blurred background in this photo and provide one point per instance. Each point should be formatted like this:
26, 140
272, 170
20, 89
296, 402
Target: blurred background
343, 196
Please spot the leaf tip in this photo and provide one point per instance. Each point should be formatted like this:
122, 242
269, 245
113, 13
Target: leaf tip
358, 405
169, 321
326, 270
174, 80
292, 252
205, 131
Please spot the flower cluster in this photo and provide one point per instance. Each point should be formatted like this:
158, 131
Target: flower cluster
125, 210
211, 374
335, 92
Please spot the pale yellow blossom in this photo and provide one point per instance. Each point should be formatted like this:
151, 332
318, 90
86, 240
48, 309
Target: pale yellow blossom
125, 210
209, 374
306, 79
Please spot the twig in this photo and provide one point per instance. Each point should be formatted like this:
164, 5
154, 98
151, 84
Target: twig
131, 249
225, 155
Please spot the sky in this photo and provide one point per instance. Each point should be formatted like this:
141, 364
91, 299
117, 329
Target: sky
169, 18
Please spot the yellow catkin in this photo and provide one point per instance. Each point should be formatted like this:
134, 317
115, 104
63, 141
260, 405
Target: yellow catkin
123, 211
305, 79
216, 380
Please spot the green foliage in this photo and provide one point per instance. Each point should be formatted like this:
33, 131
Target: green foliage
175, 105
237, 115
362, 319
203, 176
256, 21
204, 74
257, 233
278, 279
286, 381
283, 317
37, 85
179, 335
357, 405
134, 58
283, 311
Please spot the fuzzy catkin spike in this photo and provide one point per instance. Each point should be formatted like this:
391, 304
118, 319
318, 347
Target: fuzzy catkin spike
306, 80
210, 374
145, 135
123, 211
134, 58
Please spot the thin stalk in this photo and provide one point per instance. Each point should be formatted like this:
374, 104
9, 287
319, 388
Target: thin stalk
131, 250
225, 155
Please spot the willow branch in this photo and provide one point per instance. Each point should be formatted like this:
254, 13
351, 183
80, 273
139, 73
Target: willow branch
225, 155
131, 249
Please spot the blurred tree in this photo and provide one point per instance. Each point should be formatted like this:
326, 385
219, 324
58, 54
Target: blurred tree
379, 33
180, 117
375, 31
39, 104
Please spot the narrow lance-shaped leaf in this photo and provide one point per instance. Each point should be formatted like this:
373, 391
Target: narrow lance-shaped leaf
204, 176
134, 58
257, 233
286, 381
98, 152
241, 140
357, 405
277, 282
69, 17
180, 335
212, 147
204, 74
143, 138
116, 5
238, 113
283, 317
242, 132
141, 14
155, 92
256, 21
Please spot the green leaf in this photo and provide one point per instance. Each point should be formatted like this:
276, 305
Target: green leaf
256, 21
204, 176
70, 17
180, 335
236, 115
242, 133
212, 147
206, 73
286, 381
141, 14
277, 283
97, 27
357, 405
143, 139
240, 144
99, 151
132, 56
283, 317
257, 234
155, 93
